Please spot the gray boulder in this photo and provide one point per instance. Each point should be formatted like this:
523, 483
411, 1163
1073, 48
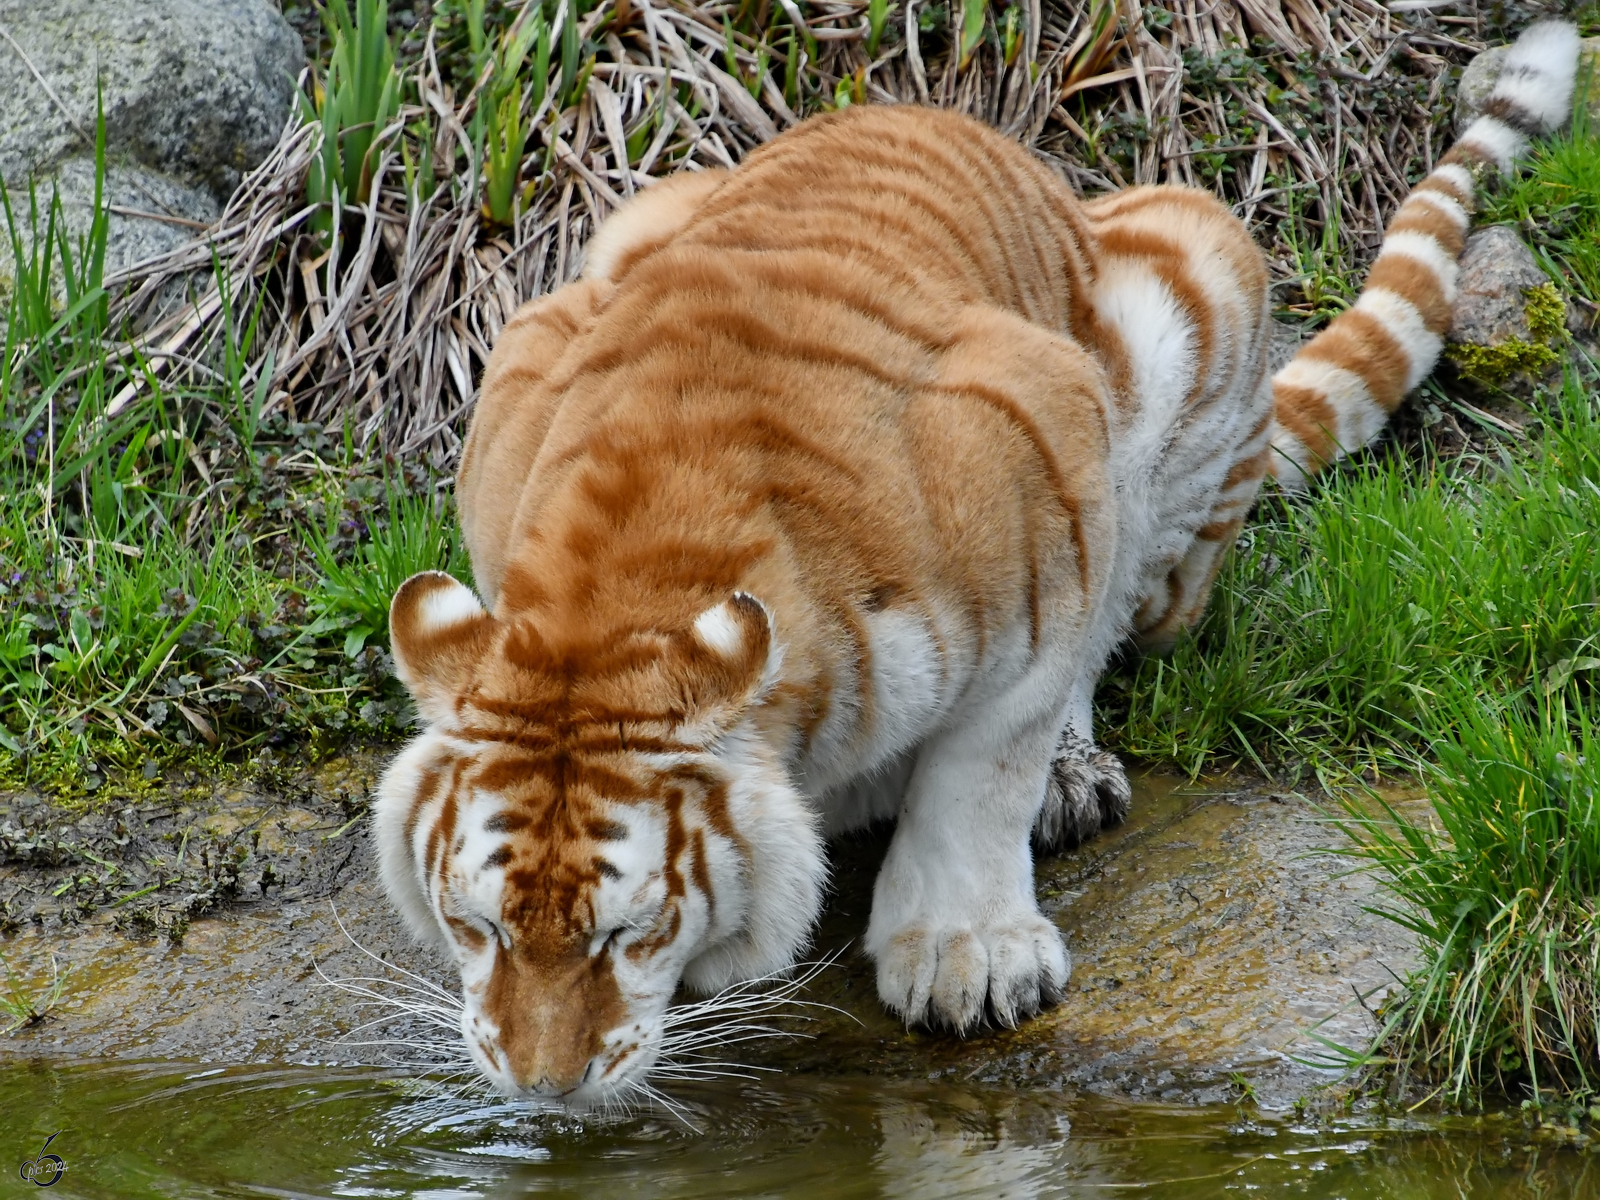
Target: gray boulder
150, 213
1478, 80
194, 92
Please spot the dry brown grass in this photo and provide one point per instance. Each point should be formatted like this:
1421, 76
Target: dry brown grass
1312, 134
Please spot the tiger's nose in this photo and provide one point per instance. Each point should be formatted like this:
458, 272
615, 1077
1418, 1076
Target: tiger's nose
550, 1080
537, 1078
543, 1069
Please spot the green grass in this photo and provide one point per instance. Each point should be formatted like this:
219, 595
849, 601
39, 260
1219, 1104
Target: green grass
159, 593
21, 1007
1343, 626
355, 586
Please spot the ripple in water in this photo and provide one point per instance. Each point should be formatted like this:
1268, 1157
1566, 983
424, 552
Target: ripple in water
173, 1130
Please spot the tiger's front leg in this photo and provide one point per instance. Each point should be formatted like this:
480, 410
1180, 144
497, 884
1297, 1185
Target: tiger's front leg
955, 928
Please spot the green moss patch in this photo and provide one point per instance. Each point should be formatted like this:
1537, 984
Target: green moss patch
1546, 314
1493, 365
1545, 311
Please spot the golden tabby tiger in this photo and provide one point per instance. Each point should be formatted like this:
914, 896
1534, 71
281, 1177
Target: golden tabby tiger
822, 498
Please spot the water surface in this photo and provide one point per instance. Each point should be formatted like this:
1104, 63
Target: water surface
132, 1130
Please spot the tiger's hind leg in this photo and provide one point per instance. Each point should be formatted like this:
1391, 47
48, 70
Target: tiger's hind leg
1087, 788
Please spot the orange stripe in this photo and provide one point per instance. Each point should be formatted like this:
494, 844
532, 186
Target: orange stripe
1446, 187
1306, 413
1360, 342
1470, 156
1417, 282
1024, 421
1425, 218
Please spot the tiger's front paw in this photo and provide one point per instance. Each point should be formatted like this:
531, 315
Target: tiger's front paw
953, 975
1087, 790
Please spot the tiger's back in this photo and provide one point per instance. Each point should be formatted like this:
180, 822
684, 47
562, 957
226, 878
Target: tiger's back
822, 390
883, 345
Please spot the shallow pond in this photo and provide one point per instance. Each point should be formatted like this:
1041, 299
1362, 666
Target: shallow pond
168, 1130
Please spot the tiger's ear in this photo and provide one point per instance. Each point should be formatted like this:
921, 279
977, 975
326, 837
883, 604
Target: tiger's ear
438, 631
736, 659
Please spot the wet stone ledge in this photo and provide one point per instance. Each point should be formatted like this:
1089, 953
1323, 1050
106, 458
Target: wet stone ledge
1207, 937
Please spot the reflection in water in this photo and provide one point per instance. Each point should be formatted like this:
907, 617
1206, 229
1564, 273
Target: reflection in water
163, 1130
923, 1152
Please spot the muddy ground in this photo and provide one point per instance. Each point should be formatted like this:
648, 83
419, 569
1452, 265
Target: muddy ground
1208, 936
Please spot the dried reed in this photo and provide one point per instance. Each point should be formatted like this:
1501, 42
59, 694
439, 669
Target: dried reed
1309, 118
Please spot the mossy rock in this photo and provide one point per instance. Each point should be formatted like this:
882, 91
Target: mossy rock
1509, 324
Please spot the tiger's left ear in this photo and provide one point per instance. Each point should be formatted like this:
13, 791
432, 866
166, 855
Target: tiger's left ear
735, 660
438, 631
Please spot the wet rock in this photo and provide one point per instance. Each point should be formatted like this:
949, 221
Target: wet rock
152, 862
1207, 939
194, 93
1509, 320
1479, 78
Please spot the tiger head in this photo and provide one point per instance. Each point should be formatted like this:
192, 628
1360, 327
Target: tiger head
587, 822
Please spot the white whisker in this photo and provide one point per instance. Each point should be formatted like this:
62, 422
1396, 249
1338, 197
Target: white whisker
739, 1013
426, 984
657, 1097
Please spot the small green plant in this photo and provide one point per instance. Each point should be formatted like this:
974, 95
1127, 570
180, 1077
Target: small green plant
1245, 1091
570, 51
1092, 49
477, 38
852, 89
421, 178
415, 534
1011, 34
24, 1008
243, 401
877, 17
354, 105
730, 58
1321, 267
973, 13
502, 101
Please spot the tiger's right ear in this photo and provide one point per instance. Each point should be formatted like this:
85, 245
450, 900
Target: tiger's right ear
438, 631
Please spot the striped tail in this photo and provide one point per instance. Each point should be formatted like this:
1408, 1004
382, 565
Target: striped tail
1336, 394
